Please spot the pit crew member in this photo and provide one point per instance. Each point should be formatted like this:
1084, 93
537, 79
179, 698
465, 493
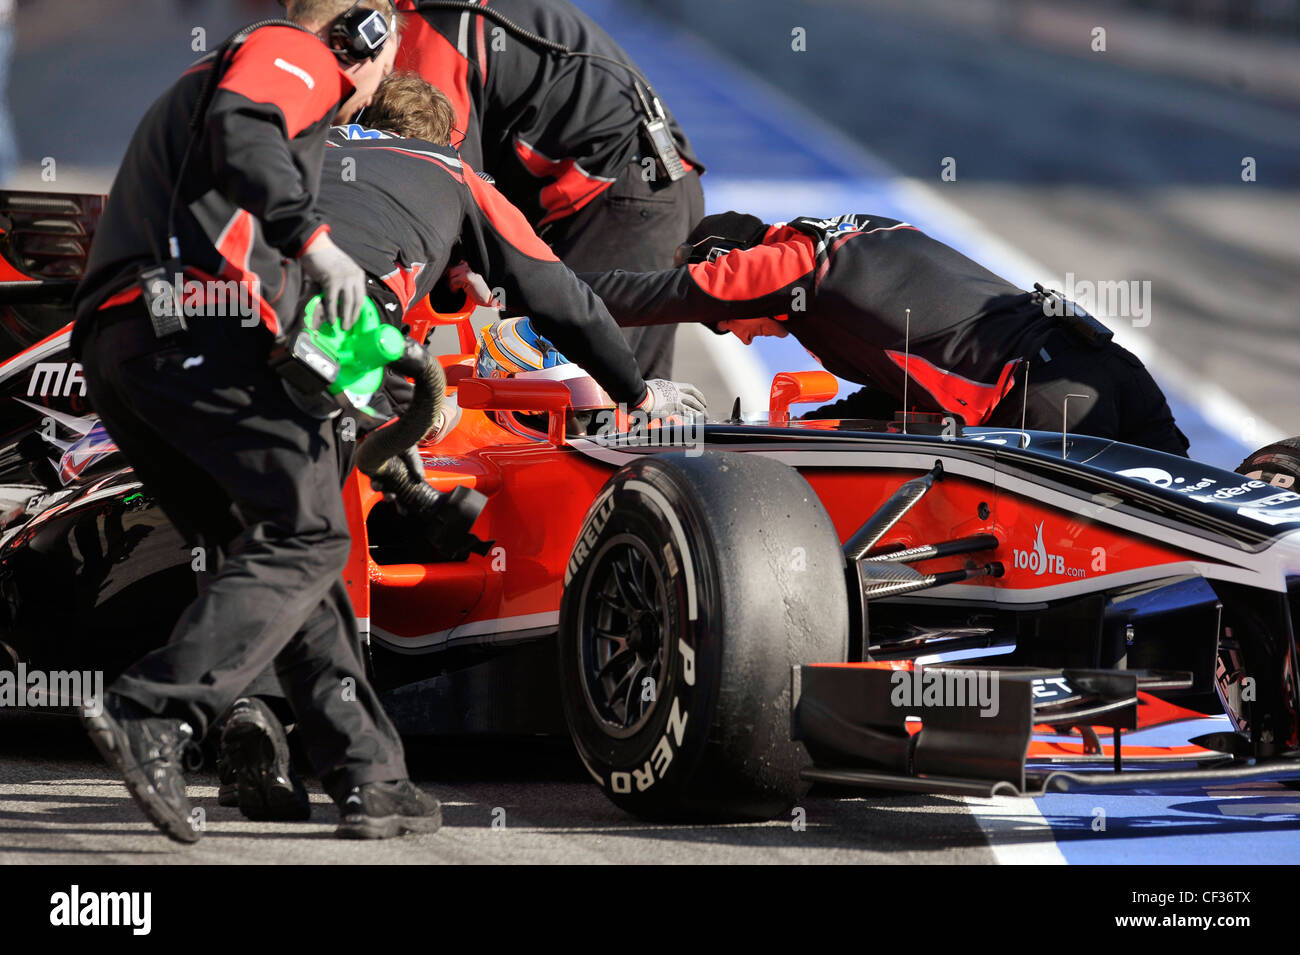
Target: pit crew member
407, 203
843, 287
569, 139
219, 182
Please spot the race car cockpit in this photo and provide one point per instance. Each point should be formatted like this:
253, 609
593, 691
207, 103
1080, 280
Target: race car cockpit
513, 348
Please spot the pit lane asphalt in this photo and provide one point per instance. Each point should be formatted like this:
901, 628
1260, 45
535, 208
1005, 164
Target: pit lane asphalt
59, 803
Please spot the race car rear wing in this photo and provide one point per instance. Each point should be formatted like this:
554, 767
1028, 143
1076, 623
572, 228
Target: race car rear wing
44, 241
45, 237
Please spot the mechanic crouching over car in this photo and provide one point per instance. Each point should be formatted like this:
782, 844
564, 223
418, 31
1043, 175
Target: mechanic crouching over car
844, 287
219, 185
401, 202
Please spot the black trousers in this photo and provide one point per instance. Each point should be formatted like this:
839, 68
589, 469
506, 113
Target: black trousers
634, 225
209, 430
1120, 398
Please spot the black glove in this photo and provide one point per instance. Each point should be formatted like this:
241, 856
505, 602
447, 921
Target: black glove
718, 233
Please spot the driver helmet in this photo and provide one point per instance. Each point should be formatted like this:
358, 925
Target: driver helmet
513, 348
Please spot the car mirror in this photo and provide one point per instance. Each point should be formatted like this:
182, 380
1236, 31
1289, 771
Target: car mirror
514, 394
799, 387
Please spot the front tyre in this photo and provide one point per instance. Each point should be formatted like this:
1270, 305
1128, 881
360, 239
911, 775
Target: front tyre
1277, 464
695, 584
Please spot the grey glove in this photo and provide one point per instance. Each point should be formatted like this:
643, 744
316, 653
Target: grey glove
342, 281
665, 398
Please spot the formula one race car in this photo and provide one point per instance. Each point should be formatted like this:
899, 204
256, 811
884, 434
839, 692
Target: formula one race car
704, 608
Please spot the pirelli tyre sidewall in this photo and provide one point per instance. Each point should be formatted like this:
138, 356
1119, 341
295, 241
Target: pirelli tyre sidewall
744, 572
1277, 464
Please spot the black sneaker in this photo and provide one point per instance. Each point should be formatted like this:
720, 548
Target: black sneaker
147, 751
385, 810
255, 766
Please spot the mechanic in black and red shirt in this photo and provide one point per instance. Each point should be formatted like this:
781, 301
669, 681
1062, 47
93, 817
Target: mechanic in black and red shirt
209, 428
843, 288
566, 137
401, 202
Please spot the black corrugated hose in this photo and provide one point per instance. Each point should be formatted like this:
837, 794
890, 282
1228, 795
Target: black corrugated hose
379, 455
444, 519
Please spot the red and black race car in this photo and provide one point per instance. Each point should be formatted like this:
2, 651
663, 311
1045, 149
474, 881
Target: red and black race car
717, 615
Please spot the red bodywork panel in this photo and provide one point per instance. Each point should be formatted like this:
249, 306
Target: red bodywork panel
537, 494
539, 490
1072, 548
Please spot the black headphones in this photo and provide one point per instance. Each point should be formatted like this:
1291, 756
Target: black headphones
359, 34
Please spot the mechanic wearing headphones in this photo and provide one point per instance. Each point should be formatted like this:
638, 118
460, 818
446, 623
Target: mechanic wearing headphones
843, 286
406, 203
580, 144
210, 428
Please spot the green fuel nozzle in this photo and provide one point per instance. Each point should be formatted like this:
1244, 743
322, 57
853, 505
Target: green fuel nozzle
347, 362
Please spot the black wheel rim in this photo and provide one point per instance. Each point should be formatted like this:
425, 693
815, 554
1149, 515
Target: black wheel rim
623, 636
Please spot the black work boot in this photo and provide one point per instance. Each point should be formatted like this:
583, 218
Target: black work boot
147, 751
384, 810
227, 782
255, 768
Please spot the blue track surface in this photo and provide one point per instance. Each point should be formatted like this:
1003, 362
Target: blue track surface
765, 158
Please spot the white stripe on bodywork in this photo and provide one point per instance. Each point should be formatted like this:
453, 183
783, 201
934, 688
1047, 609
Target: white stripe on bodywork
24, 361
517, 626
1266, 569
83, 426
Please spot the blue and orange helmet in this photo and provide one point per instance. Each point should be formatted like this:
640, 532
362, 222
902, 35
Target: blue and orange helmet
513, 348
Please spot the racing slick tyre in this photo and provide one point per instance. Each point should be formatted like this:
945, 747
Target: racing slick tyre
1278, 464
696, 582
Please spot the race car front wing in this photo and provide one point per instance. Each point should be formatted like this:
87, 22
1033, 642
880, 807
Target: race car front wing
954, 730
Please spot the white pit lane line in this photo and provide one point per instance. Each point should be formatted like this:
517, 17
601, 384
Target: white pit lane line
1016, 830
